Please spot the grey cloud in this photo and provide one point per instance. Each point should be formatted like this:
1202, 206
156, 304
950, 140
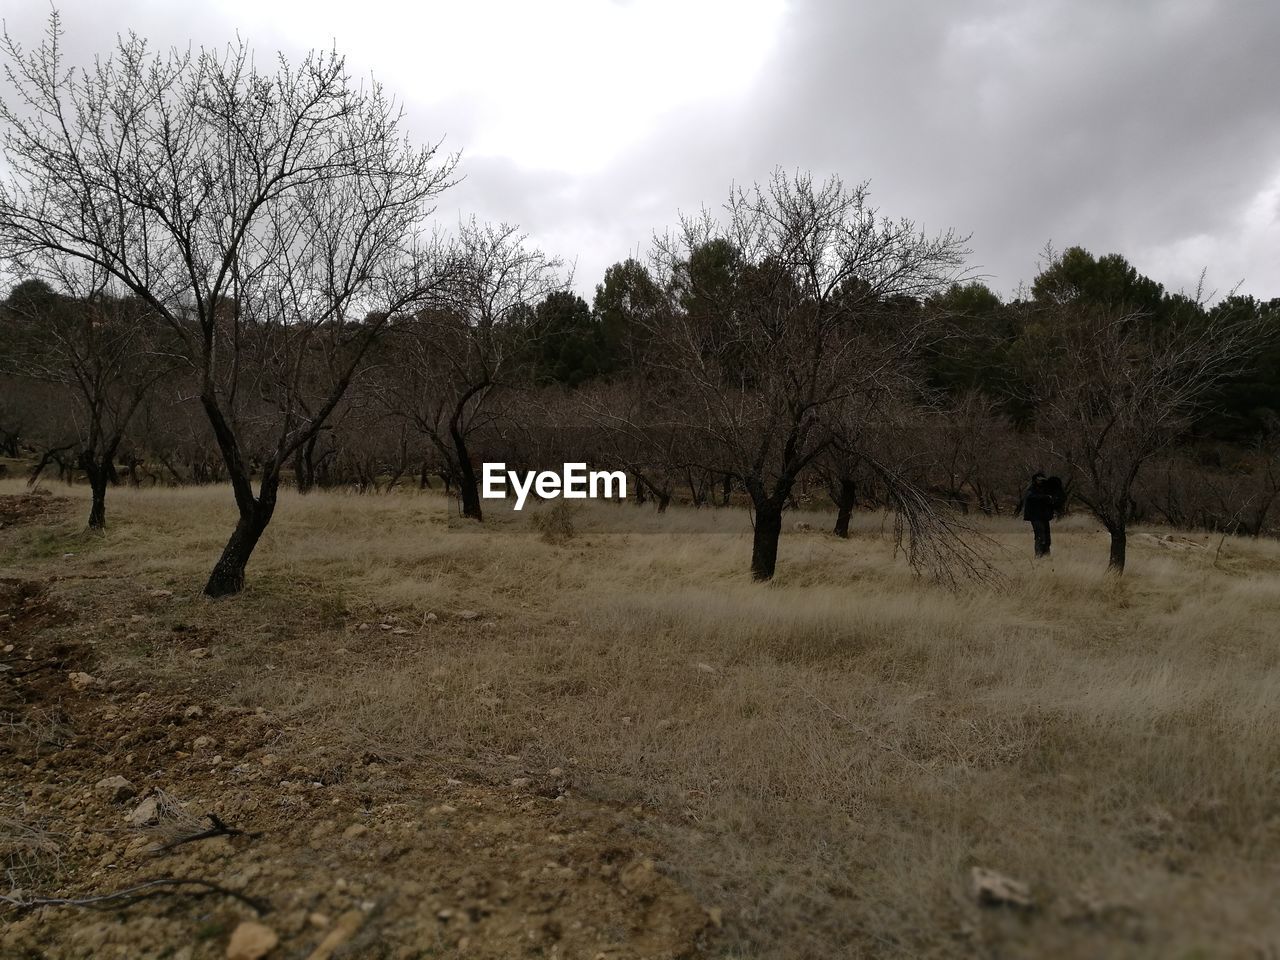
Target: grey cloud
1134, 127
1121, 126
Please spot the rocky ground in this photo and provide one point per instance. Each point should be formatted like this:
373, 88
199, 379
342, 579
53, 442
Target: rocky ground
266, 845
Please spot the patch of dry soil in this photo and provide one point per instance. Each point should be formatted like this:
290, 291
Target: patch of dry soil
354, 858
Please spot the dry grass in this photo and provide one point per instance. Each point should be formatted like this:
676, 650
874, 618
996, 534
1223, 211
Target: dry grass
825, 757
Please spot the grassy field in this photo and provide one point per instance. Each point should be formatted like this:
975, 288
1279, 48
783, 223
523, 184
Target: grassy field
819, 762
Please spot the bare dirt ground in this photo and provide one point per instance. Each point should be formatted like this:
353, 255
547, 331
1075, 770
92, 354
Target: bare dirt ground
350, 857
410, 742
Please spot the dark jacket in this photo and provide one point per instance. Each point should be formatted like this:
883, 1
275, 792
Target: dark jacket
1038, 503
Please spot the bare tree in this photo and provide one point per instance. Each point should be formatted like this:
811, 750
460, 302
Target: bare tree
630, 429
106, 352
1113, 388
454, 359
777, 310
273, 220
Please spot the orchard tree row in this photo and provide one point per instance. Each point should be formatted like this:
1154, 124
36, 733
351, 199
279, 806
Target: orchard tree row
230, 275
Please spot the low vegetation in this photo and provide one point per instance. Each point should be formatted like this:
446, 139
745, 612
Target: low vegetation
819, 763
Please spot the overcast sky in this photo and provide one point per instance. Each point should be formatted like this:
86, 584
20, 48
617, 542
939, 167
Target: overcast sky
1145, 127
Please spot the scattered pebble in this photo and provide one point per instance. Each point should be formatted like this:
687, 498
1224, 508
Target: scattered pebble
251, 941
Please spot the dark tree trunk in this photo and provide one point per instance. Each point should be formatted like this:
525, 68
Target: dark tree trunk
845, 499
99, 473
764, 544
1119, 540
98, 480
664, 501
697, 488
468, 485
424, 478
228, 574
304, 466
726, 489
641, 496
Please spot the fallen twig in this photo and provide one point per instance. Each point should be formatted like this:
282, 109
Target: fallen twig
219, 829
159, 887
36, 669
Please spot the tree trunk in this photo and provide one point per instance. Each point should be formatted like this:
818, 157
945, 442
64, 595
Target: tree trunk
845, 500
764, 544
1119, 540
98, 510
695, 493
228, 574
304, 466
468, 485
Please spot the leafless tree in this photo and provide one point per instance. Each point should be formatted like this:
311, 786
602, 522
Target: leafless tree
778, 308
976, 454
455, 359
1113, 388
631, 430
106, 353
273, 220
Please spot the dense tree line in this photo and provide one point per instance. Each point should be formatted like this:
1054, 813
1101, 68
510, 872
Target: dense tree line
231, 276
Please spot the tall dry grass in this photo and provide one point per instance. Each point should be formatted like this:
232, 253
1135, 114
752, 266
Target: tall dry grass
823, 757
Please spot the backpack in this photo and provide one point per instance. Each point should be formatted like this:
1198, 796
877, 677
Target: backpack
1057, 492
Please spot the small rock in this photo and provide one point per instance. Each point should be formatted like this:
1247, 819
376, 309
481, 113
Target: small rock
145, 813
192, 712
468, 614
521, 782
992, 889
81, 681
704, 668
318, 920
199, 653
556, 772
117, 788
203, 743
444, 914
716, 916
251, 941
355, 830
137, 618
162, 594
399, 631
432, 618
384, 626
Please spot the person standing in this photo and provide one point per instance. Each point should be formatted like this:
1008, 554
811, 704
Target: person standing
1038, 507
